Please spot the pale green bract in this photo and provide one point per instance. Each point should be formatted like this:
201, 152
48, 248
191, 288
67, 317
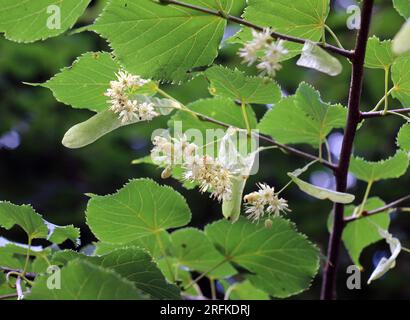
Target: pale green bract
314, 57
401, 43
321, 193
28, 20
106, 121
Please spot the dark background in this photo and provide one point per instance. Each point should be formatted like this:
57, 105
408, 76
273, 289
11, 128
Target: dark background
36, 169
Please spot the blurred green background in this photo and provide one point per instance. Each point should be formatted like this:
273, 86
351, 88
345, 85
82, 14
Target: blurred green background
36, 169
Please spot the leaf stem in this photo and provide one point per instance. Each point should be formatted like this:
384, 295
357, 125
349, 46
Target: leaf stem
371, 114
204, 274
27, 256
245, 117
213, 289
365, 197
383, 99
387, 92
334, 36
384, 208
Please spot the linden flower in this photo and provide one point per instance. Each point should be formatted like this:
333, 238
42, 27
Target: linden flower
249, 53
129, 110
168, 152
269, 62
211, 175
265, 200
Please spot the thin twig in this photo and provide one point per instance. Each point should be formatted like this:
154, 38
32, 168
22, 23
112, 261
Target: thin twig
377, 114
388, 206
353, 119
328, 47
265, 138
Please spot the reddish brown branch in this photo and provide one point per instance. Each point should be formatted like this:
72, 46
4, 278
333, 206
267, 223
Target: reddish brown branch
354, 117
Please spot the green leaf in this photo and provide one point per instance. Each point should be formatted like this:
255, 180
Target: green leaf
314, 57
401, 43
402, 7
245, 291
401, 80
403, 138
25, 217
84, 83
280, 261
13, 256
379, 54
81, 280
140, 212
34, 225
132, 264
235, 85
59, 234
393, 167
321, 193
302, 118
28, 21
299, 18
195, 251
359, 234
104, 122
168, 40
218, 108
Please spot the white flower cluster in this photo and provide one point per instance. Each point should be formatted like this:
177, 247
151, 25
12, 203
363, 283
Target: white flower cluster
272, 52
264, 200
129, 109
210, 173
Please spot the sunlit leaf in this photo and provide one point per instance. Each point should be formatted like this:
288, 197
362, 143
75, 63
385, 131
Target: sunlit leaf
302, 118
393, 167
81, 280
235, 85
401, 80
28, 21
132, 264
379, 54
279, 260
168, 40
140, 212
